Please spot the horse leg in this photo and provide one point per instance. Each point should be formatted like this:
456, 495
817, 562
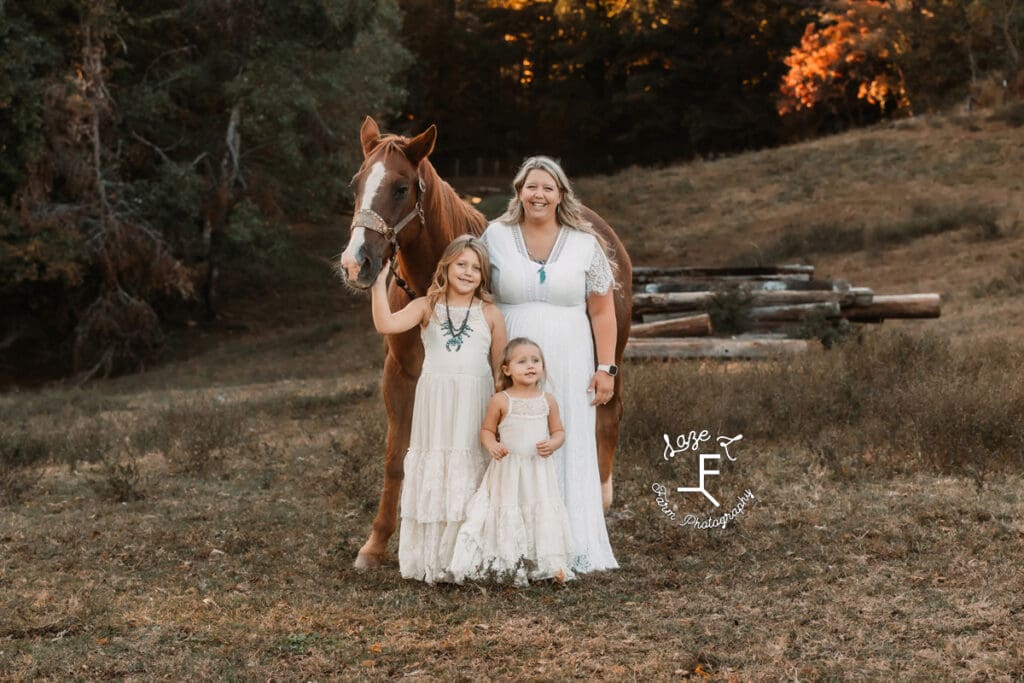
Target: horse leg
398, 390
609, 419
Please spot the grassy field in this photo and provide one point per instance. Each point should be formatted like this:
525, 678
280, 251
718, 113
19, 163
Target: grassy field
200, 519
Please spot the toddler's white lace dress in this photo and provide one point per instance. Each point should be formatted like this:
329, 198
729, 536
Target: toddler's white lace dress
516, 526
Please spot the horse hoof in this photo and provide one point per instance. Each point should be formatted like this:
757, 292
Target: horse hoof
606, 493
367, 561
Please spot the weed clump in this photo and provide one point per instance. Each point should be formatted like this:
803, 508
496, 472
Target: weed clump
730, 309
20, 455
119, 478
196, 437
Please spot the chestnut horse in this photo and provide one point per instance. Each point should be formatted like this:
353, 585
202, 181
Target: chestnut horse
406, 212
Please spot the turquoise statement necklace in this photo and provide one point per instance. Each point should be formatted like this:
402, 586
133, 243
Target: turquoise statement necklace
455, 337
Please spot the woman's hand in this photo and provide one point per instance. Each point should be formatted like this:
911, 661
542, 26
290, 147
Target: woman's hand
602, 385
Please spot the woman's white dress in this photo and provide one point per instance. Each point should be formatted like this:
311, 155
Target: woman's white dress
445, 461
516, 526
553, 313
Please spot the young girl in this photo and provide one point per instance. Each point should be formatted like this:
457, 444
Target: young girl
516, 524
463, 333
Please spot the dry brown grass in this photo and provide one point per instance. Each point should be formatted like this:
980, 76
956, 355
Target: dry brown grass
884, 541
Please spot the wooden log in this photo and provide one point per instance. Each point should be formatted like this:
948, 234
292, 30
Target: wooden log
648, 318
707, 285
695, 301
743, 271
715, 348
686, 326
862, 296
792, 329
896, 306
828, 309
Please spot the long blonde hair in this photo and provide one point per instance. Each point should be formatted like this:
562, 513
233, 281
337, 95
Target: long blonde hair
569, 211
439, 283
504, 381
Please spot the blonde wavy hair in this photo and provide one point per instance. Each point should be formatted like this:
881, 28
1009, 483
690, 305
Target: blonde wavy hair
439, 283
569, 211
504, 381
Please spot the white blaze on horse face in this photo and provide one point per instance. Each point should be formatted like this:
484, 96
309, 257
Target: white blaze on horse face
373, 182
350, 258
349, 262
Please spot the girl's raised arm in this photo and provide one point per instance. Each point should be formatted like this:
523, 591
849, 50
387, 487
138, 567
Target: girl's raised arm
386, 322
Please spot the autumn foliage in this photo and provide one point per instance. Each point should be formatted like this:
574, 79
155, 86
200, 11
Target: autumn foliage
848, 52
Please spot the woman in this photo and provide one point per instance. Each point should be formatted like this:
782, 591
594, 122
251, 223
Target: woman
554, 283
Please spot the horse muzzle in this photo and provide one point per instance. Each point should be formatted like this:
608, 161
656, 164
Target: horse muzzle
358, 269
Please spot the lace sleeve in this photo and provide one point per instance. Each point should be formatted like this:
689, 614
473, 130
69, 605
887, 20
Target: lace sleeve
599, 273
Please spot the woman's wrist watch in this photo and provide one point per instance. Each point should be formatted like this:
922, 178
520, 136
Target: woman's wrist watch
610, 369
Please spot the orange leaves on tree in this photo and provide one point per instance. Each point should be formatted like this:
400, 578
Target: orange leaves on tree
852, 44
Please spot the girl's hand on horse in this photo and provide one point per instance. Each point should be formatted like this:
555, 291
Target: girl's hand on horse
384, 321
382, 276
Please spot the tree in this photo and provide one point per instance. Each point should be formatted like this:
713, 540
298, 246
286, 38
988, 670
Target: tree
150, 126
846, 63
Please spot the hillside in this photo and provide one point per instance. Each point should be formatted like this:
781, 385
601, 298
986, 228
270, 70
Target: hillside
931, 204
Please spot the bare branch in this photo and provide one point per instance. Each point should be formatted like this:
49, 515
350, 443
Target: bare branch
152, 146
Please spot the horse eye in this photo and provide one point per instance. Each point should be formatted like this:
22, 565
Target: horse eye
401, 191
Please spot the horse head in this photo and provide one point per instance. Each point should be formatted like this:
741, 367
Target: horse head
388, 189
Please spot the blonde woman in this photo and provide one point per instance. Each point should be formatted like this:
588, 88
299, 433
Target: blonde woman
554, 283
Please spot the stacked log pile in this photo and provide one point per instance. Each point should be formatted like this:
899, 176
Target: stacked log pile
772, 310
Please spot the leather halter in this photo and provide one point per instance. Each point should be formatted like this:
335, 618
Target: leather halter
371, 220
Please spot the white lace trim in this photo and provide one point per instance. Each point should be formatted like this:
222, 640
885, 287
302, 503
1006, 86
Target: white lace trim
534, 406
599, 273
515, 544
439, 483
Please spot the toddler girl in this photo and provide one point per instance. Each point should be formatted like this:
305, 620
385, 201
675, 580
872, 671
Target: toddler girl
516, 525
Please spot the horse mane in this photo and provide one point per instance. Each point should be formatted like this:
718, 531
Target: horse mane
443, 209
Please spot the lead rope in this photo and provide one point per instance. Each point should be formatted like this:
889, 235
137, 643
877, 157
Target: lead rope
393, 275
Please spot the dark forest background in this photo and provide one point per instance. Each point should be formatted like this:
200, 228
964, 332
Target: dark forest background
148, 148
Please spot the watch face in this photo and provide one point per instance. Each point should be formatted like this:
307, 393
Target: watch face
613, 370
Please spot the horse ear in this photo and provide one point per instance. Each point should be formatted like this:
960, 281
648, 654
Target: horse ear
369, 134
420, 147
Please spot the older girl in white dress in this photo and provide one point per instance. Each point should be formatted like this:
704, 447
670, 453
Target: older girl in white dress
463, 336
